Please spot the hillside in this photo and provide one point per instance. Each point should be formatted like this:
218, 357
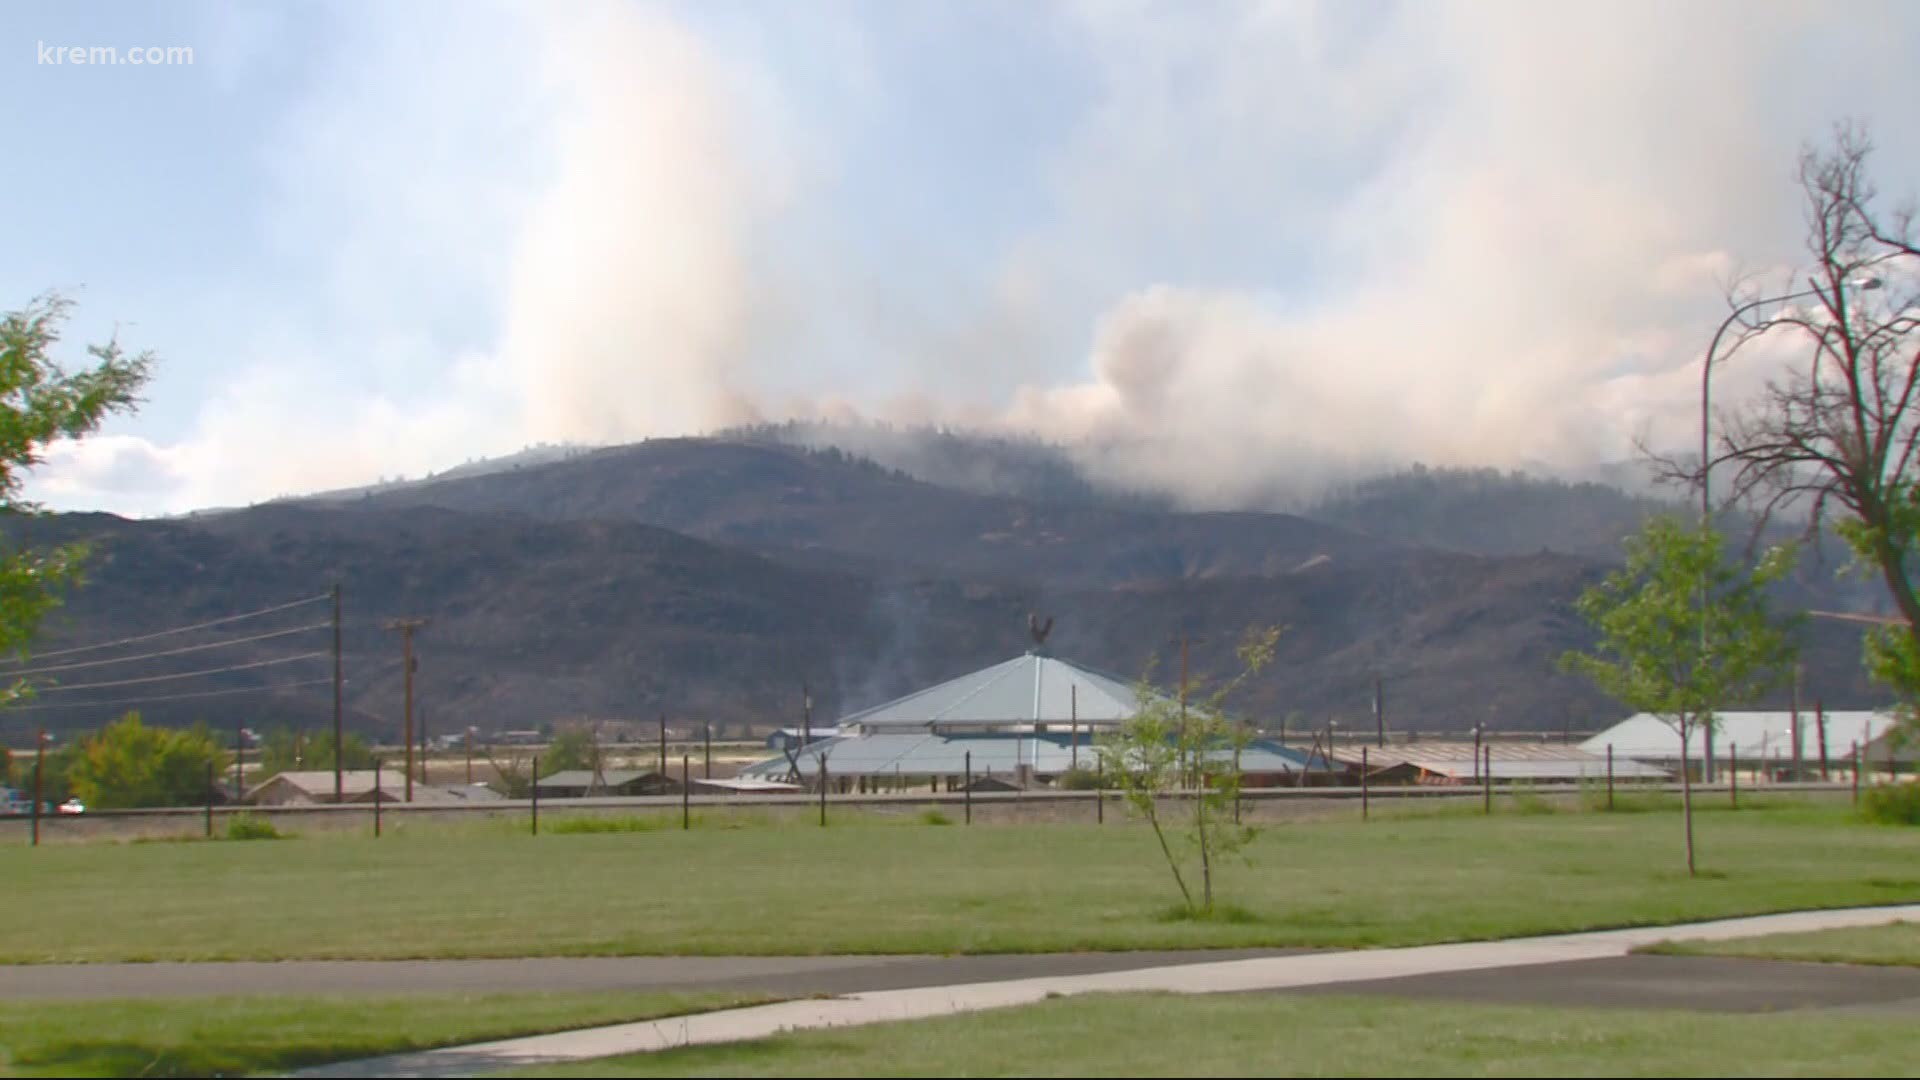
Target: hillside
555, 593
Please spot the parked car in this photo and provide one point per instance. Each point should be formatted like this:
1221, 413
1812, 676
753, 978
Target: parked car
73, 806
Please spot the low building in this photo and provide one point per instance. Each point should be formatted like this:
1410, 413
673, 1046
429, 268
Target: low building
315, 788
1027, 721
790, 738
580, 783
1762, 740
1466, 763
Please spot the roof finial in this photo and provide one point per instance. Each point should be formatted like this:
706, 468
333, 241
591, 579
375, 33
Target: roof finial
1039, 630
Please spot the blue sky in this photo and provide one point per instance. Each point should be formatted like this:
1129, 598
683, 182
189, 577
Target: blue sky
1227, 240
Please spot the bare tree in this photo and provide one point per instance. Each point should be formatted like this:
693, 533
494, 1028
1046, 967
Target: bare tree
1837, 435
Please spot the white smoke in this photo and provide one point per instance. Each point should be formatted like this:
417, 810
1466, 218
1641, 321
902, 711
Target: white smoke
1285, 242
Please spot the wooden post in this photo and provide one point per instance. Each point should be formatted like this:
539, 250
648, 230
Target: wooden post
686, 796
1100, 793
967, 788
823, 791
1476, 751
1363, 782
210, 782
1820, 730
376, 798
1855, 755
706, 736
535, 792
1609, 777
1486, 780
1733, 774
1073, 711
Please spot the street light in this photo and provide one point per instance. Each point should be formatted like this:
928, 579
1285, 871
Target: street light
1706, 452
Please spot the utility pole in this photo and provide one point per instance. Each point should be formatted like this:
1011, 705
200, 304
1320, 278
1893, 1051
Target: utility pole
1798, 671
339, 734
1379, 713
806, 715
406, 627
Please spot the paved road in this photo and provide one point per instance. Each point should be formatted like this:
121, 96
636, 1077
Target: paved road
785, 976
1494, 966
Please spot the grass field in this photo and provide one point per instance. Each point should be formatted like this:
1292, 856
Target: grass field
1895, 945
906, 888
241, 1036
1287, 1035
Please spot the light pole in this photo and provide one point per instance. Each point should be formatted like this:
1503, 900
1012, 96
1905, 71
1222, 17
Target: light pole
1706, 459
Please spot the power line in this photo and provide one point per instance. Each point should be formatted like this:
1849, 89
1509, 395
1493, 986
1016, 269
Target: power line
179, 674
171, 652
178, 629
119, 702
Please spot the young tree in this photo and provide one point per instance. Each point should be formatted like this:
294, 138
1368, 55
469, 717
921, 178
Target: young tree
1683, 632
1172, 741
286, 750
41, 402
573, 747
128, 764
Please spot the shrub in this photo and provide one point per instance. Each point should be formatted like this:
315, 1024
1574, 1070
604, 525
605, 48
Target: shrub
1892, 804
932, 816
251, 827
1081, 779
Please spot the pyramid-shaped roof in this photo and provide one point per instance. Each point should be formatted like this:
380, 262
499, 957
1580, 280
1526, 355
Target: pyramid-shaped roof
1032, 689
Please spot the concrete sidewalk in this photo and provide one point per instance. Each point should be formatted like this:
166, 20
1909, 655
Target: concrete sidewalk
1264, 973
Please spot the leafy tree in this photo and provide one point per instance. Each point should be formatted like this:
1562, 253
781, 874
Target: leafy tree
41, 402
128, 764
1684, 632
1173, 744
286, 750
511, 767
573, 747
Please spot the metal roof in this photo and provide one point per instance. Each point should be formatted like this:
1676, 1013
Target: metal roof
1754, 735
568, 778
1031, 689
946, 754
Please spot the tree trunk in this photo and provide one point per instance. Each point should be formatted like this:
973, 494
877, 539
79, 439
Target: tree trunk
1686, 793
1206, 860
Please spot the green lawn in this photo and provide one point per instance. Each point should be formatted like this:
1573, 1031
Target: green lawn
1285, 1035
1898, 944
924, 888
238, 1036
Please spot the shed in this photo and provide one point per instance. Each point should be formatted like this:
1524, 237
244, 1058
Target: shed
579, 783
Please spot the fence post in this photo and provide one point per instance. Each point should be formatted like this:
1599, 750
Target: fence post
1486, 780
535, 791
823, 792
209, 798
686, 796
1609, 777
1855, 754
376, 798
39, 760
1100, 793
967, 787
1363, 783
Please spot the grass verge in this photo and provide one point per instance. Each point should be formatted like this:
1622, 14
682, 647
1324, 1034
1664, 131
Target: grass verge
244, 1036
1895, 945
1284, 1035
